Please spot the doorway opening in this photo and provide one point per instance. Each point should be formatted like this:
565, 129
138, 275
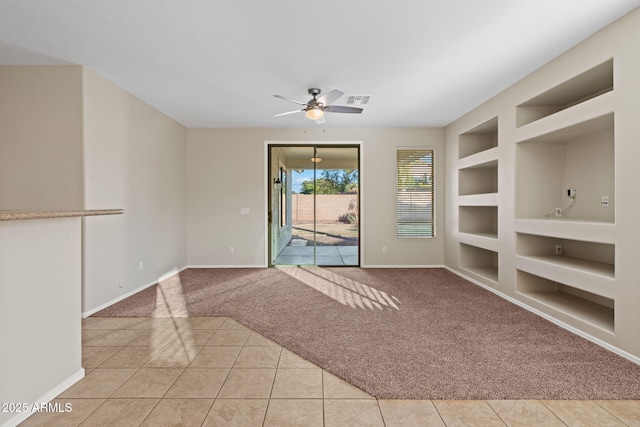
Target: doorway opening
314, 205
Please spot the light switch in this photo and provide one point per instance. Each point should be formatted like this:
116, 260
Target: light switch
244, 211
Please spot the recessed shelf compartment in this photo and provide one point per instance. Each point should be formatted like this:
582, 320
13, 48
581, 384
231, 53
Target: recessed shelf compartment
579, 157
478, 179
481, 262
585, 265
478, 139
563, 228
585, 306
480, 220
588, 85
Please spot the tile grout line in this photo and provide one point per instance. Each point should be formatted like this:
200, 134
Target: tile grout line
610, 413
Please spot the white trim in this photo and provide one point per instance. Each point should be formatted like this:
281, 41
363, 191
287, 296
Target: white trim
359, 143
226, 266
47, 397
135, 291
401, 266
551, 319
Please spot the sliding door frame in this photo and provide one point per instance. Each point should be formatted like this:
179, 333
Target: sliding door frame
269, 189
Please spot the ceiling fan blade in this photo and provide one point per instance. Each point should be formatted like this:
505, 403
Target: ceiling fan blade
320, 120
288, 112
341, 109
290, 100
331, 97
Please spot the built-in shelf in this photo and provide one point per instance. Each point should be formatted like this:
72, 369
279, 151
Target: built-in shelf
579, 157
480, 138
487, 199
478, 179
480, 262
566, 300
591, 84
584, 265
480, 159
480, 220
563, 228
487, 241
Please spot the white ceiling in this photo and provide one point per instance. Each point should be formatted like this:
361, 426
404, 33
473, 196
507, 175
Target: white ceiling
215, 63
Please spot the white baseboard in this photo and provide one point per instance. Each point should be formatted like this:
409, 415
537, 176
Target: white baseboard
133, 292
551, 319
227, 266
400, 266
47, 397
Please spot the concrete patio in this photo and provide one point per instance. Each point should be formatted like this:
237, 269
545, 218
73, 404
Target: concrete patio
325, 255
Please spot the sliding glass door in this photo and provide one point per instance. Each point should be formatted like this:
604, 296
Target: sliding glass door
314, 212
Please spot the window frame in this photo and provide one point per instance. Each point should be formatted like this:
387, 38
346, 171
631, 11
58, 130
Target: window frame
431, 181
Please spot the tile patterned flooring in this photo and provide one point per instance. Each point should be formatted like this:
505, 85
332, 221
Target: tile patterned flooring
215, 372
325, 255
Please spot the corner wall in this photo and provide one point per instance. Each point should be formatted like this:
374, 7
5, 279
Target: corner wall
40, 138
135, 159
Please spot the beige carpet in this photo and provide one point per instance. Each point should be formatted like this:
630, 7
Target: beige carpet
399, 333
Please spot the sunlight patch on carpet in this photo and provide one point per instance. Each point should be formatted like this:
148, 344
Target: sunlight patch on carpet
342, 289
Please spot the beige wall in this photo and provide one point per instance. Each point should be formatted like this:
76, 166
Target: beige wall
39, 311
135, 159
226, 172
40, 138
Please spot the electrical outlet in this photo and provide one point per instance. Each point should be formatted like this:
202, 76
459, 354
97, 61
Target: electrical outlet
605, 201
571, 192
231, 249
384, 249
558, 249
140, 266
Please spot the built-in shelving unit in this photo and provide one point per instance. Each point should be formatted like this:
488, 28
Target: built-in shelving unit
481, 262
565, 244
478, 200
553, 161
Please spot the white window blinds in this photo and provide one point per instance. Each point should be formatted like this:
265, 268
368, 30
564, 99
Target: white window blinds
415, 193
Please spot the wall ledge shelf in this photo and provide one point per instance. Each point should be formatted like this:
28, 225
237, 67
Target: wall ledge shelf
592, 116
588, 312
598, 232
487, 273
486, 158
22, 215
487, 241
591, 276
486, 199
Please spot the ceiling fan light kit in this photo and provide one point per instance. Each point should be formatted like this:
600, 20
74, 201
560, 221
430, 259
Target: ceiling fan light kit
316, 107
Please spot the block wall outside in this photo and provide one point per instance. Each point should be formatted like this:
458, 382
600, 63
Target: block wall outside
329, 207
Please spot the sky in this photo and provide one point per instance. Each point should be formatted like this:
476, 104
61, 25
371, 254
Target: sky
298, 178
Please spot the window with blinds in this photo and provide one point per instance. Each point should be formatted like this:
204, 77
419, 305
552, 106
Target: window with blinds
415, 193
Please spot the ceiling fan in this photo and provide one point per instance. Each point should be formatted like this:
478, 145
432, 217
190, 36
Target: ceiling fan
315, 108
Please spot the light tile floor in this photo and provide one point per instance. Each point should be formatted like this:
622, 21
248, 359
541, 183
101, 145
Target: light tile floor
216, 372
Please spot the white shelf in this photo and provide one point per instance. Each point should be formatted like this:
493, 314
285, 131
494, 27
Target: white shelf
487, 199
488, 273
487, 158
487, 241
578, 308
598, 232
480, 138
591, 276
589, 117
